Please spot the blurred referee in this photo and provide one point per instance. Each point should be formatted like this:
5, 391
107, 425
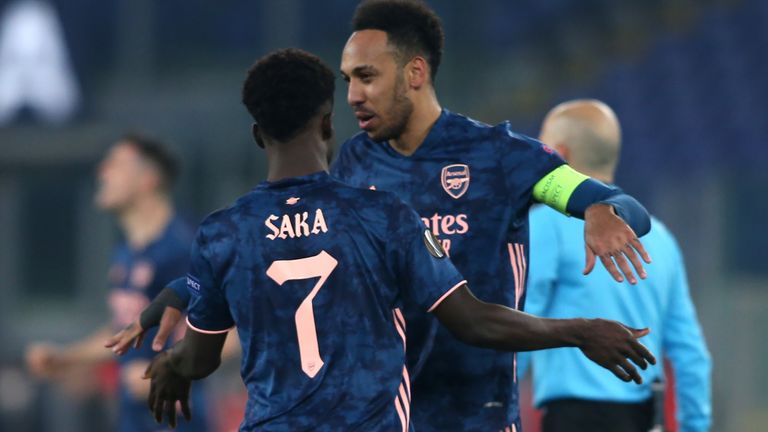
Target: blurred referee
574, 394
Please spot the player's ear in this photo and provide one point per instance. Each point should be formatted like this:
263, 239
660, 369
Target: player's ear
256, 132
417, 72
326, 126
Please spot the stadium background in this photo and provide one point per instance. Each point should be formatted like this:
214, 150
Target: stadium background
688, 79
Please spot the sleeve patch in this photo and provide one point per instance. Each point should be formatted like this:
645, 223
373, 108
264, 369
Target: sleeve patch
433, 245
193, 284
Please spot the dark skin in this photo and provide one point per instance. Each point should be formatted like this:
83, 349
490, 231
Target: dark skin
607, 343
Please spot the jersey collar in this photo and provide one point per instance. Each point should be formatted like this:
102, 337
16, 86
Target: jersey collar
320, 176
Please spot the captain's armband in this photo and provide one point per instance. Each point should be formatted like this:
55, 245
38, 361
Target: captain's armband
556, 188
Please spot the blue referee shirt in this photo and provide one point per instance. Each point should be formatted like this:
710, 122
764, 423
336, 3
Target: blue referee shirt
557, 289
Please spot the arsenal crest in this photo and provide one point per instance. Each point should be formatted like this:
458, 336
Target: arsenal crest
455, 180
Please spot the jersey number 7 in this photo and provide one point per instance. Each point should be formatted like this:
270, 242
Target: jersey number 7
320, 265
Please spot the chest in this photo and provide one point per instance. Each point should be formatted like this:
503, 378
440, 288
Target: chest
454, 192
131, 273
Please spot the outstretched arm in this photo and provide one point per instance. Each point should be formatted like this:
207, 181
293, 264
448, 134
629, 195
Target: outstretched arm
607, 343
49, 361
614, 220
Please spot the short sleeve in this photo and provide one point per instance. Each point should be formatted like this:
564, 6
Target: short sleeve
179, 286
422, 267
208, 310
525, 161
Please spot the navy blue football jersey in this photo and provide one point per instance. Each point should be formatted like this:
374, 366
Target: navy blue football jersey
472, 185
314, 274
135, 278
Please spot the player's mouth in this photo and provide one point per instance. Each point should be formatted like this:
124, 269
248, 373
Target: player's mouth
364, 120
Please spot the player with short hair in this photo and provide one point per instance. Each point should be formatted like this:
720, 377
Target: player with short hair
134, 184
472, 184
314, 274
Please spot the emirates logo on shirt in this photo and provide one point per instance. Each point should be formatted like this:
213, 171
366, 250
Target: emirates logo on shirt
455, 180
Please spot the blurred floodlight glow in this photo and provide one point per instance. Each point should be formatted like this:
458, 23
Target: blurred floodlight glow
35, 71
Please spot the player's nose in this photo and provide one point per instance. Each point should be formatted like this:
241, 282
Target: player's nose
355, 94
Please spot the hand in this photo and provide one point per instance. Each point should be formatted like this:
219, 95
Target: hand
165, 389
611, 343
607, 236
133, 334
45, 361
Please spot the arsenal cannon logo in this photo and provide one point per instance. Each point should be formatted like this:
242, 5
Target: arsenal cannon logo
455, 179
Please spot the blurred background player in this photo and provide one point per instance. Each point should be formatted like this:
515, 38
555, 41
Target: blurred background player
581, 397
314, 273
134, 184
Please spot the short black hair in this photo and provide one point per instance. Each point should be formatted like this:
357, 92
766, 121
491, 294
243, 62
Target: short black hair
411, 26
158, 154
285, 89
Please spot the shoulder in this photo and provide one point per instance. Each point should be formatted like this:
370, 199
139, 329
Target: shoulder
225, 221
517, 142
354, 157
362, 198
356, 145
463, 129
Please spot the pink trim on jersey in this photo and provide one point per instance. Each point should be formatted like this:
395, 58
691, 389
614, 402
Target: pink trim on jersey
519, 267
399, 327
403, 396
401, 414
399, 316
406, 402
514, 367
407, 380
207, 331
515, 272
523, 267
444, 296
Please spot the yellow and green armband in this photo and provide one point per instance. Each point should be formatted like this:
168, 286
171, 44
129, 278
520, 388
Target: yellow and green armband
556, 188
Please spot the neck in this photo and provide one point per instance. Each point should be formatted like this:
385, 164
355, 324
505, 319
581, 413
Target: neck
426, 111
146, 220
298, 157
